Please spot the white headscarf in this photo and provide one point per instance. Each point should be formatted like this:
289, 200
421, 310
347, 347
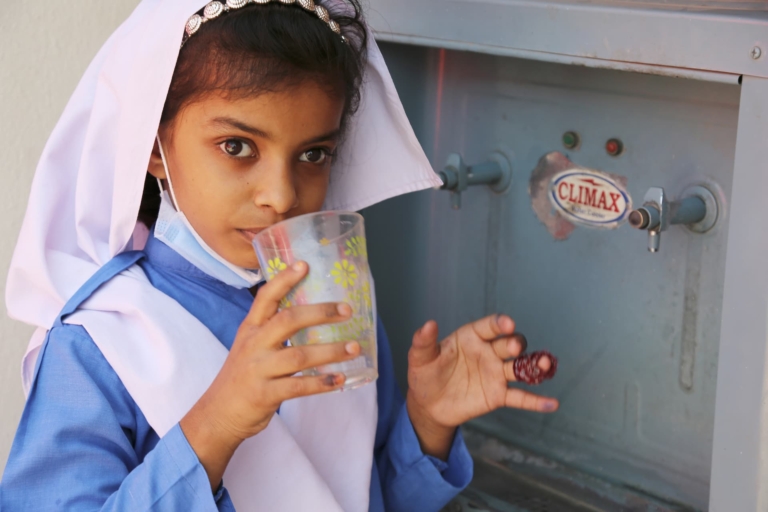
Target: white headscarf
83, 209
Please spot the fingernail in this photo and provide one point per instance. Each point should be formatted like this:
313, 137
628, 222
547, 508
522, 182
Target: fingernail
344, 309
503, 321
521, 340
549, 406
330, 380
351, 347
298, 266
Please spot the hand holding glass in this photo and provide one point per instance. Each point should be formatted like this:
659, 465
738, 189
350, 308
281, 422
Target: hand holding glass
333, 245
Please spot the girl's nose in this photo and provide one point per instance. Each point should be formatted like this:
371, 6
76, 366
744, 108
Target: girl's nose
277, 189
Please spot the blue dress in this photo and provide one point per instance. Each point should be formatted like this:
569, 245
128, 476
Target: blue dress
83, 443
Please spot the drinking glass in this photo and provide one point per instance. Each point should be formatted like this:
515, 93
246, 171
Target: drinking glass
333, 244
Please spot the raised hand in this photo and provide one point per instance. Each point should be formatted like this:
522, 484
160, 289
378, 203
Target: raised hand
465, 376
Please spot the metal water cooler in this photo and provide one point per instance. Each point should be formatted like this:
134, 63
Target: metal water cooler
606, 183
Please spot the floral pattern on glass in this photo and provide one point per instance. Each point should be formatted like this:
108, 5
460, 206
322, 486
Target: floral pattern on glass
275, 266
361, 296
344, 273
355, 247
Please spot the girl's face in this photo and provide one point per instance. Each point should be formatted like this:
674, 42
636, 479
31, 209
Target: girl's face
239, 166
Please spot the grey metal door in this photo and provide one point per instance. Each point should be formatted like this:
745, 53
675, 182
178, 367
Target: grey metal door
637, 333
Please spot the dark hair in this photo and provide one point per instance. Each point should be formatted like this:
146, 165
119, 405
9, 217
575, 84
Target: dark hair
266, 48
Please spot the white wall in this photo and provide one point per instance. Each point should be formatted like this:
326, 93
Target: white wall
45, 47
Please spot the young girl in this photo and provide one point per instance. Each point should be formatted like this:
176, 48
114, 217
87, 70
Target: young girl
156, 380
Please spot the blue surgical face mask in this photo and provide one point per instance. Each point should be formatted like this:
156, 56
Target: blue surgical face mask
174, 230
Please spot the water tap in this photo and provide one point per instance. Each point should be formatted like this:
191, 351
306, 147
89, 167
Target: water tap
697, 208
457, 176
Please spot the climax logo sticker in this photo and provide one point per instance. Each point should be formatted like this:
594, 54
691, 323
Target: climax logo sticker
590, 198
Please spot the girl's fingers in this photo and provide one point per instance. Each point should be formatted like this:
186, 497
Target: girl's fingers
291, 320
491, 327
294, 387
509, 371
268, 299
424, 348
519, 399
292, 360
509, 347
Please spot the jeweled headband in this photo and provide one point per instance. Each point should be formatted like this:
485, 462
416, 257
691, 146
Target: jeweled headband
215, 9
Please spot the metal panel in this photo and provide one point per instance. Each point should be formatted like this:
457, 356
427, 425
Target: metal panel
746, 5
547, 30
740, 452
627, 324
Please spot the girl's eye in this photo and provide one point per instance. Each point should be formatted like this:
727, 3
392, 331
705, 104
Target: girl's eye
314, 156
237, 148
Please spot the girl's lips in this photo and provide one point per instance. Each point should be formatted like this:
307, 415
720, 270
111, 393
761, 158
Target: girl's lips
250, 234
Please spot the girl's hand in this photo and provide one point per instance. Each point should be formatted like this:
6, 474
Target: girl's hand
463, 377
258, 374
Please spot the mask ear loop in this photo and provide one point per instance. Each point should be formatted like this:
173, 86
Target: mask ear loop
167, 174
238, 270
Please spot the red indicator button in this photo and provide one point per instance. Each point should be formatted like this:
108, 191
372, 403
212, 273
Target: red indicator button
614, 147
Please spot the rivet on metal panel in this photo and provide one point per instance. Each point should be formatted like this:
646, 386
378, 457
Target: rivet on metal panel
756, 52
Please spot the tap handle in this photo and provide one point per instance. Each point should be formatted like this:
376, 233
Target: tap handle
654, 240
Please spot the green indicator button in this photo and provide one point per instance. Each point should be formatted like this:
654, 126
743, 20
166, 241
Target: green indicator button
570, 140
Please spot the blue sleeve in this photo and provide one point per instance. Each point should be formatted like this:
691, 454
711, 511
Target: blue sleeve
411, 480
83, 444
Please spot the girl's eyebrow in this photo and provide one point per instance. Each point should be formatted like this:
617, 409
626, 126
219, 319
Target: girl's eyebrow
234, 123
327, 136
